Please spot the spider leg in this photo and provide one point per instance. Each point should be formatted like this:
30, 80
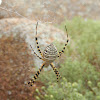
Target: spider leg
59, 54
55, 70
37, 41
36, 53
31, 82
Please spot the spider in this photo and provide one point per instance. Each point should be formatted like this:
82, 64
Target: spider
48, 56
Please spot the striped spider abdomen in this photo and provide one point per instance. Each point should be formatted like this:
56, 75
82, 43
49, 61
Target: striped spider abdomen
50, 53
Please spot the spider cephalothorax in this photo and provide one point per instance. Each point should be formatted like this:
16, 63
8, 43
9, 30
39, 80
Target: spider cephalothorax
48, 56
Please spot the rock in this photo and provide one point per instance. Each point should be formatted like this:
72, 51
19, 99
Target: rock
27, 29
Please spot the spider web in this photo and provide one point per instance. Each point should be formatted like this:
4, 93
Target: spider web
43, 11
15, 62
39, 10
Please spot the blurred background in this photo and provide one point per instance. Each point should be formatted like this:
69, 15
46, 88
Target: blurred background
79, 66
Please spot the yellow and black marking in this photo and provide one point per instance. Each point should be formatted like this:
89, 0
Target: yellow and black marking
55, 70
35, 53
59, 54
31, 82
49, 55
38, 47
37, 42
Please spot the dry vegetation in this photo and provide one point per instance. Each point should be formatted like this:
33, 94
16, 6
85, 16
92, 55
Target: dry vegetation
16, 62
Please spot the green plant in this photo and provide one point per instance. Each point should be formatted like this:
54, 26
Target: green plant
63, 91
81, 65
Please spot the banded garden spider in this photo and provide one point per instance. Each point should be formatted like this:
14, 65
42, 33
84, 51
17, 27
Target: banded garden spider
48, 56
